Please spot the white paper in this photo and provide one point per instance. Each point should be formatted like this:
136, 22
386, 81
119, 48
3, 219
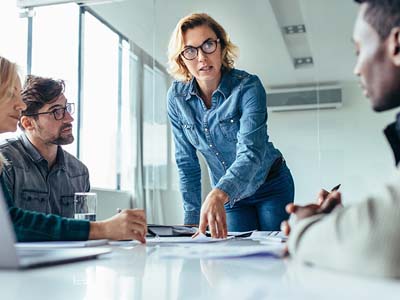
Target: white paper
273, 236
61, 244
201, 238
222, 251
124, 243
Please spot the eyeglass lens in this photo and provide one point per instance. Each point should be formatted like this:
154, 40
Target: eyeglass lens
208, 47
60, 112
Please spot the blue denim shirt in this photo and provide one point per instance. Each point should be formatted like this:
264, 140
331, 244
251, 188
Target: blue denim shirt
231, 135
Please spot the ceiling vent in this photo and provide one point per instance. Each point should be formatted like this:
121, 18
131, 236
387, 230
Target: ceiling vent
304, 98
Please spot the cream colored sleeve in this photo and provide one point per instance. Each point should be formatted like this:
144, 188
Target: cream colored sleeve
363, 238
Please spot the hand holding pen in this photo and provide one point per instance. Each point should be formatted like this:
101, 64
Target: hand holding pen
326, 203
324, 194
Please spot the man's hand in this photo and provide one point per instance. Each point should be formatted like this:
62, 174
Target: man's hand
327, 201
129, 224
213, 214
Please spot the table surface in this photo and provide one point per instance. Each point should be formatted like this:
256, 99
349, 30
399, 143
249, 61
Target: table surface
140, 272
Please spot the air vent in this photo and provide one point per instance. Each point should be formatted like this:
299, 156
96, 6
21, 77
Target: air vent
304, 98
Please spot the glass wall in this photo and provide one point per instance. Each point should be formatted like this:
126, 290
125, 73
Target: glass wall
113, 58
99, 109
55, 33
13, 41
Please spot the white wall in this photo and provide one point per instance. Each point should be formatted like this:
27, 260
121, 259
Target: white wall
351, 148
327, 147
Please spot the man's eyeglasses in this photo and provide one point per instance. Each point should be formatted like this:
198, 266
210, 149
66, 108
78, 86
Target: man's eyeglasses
208, 47
58, 113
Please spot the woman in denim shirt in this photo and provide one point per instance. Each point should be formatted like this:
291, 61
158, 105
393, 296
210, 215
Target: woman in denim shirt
221, 112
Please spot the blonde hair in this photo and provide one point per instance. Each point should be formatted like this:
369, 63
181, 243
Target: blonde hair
176, 66
8, 77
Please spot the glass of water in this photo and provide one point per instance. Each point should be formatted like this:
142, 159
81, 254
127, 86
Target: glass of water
85, 206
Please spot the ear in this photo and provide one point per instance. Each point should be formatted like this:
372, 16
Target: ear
394, 45
27, 122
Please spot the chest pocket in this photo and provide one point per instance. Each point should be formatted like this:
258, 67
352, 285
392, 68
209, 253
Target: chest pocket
191, 133
230, 127
33, 200
67, 206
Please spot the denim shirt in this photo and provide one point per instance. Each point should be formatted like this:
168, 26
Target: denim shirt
34, 186
231, 135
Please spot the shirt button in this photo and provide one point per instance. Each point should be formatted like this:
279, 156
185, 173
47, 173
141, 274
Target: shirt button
205, 129
231, 120
223, 162
217, 154
210, 146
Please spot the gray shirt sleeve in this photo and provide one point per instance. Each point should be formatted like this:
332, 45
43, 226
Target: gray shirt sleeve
363, 238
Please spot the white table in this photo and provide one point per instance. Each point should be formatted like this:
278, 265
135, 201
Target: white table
140, 273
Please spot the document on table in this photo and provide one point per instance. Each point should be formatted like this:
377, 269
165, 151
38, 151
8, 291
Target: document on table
61, 244
223, 251
269, 236
201, 238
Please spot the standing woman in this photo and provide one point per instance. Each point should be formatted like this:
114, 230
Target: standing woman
222, 112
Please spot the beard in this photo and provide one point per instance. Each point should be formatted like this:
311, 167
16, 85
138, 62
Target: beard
63, 138
388, 101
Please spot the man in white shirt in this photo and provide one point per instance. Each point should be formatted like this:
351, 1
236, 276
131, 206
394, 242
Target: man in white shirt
362, 238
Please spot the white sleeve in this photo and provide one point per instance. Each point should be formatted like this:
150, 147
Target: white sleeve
363, 238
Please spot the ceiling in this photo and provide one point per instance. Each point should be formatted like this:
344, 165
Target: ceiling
255, 27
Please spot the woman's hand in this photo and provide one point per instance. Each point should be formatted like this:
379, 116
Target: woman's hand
213, 214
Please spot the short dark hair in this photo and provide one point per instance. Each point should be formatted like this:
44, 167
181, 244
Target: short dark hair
38, 91
382, 15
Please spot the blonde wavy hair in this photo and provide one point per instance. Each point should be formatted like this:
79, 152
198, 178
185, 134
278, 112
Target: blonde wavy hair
176, 66
8, 77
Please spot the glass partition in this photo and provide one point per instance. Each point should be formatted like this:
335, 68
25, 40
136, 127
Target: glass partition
113, 56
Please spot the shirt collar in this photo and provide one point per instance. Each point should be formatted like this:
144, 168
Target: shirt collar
36, 156
224, 87
193, 89
392, 132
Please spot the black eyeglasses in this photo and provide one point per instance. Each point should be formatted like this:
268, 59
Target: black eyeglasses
208, 47
58, 113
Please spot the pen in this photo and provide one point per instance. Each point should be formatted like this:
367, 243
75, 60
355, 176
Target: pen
335, 188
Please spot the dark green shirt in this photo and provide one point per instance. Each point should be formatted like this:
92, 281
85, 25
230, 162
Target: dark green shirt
33, 226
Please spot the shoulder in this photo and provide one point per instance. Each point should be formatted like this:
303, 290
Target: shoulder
74, 165
178, 89
13, 150
245, 80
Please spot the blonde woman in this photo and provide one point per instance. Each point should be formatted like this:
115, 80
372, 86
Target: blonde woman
33, 226
221, 112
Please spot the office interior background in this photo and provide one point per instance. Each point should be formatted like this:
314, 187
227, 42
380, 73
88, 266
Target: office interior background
112, 55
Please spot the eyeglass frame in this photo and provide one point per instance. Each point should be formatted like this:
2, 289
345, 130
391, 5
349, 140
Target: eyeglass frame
70, 106
216, 41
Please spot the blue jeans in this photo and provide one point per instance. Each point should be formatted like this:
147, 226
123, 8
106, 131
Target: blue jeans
265, 210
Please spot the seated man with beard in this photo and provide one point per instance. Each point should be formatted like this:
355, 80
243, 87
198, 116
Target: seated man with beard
40, 175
